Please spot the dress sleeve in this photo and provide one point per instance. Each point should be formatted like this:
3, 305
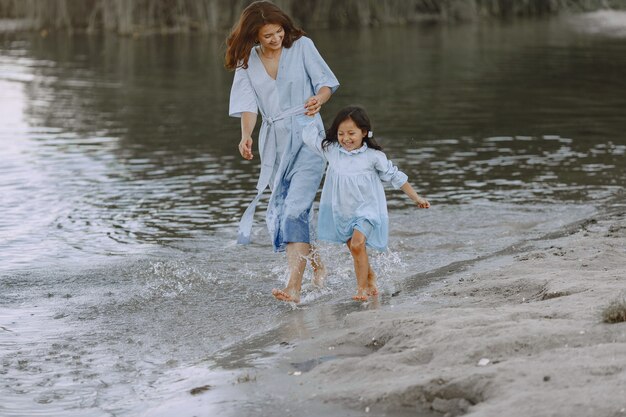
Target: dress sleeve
313, 137
389, 172
319, 72
242, 97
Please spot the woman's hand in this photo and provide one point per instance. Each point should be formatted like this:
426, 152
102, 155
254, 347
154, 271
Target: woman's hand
313, 105
245, 147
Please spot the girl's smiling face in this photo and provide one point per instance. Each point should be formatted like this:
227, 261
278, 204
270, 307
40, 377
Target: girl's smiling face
350, 136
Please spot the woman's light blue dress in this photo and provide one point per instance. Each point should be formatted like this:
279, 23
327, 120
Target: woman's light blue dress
353, 196
291, 170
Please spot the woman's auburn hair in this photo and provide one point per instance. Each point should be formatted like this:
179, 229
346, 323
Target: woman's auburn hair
245, 33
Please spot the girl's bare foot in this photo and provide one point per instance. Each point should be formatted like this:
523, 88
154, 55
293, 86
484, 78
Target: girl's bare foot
361, 294
372, 288
286, 295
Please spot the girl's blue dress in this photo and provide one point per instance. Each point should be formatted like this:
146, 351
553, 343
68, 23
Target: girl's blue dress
353, 196
291, 170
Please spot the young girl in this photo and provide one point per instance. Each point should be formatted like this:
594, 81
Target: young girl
353, 208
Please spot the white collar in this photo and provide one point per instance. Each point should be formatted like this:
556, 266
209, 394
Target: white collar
362, 149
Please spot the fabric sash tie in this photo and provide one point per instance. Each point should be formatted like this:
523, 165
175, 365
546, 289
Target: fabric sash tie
267, 151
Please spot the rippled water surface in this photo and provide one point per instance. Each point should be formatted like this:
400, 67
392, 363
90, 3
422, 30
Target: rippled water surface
121, 189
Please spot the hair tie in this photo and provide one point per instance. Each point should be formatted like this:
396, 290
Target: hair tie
370, 134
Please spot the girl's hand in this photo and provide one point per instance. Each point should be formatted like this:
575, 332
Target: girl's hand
422, 203
245, 148
313, 105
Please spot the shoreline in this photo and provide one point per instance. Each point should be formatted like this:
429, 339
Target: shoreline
446, 14
517, 334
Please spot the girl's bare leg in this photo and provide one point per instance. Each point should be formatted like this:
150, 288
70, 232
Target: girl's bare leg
297, 253
319, 270
361, 264
372, 287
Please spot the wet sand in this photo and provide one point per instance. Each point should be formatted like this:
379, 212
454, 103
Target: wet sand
520, 334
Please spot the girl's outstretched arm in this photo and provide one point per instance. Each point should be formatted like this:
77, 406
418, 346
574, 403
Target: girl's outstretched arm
312, 137
420, 201
398, 179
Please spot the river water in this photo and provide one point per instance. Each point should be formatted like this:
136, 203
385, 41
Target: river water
121, 285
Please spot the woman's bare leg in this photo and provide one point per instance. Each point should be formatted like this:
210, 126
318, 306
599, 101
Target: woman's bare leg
297, 253
319, 270
361, 264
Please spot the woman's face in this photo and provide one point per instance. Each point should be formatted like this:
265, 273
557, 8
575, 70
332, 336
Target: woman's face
350, 136
271, 36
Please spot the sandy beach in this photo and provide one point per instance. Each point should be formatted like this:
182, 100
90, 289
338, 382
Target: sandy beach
518, 334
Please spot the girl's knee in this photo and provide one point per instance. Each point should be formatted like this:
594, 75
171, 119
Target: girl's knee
357, 245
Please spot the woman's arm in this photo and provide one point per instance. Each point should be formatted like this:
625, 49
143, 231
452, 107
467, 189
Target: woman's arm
408, 190
314, 103
248, 121
322, 78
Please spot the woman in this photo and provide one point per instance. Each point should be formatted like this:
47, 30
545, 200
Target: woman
279, 73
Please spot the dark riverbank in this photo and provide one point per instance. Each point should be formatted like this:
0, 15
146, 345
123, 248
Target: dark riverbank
134, 17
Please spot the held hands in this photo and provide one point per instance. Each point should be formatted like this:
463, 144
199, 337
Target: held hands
313, 105
245, 148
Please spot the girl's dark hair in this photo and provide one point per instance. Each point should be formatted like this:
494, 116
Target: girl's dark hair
245, 33
360, 118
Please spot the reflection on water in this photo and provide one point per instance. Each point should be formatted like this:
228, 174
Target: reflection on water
126, 140
121, 188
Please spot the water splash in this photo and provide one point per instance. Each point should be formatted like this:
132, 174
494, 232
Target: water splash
173, 278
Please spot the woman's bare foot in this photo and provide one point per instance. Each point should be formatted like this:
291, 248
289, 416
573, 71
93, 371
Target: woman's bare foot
361, 294
319, 270
319, 275
286, 295
372, 288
